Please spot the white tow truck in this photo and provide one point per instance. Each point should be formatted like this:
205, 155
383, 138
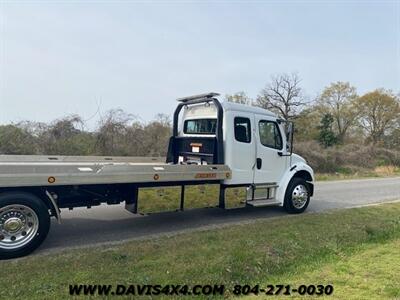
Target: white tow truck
228, 144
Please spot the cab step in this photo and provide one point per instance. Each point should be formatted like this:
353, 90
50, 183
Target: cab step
263, 202
262, 194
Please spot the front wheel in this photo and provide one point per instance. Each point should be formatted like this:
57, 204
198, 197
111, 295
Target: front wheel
24, 224
297, 196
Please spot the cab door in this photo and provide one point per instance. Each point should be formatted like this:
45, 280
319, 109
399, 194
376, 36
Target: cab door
240, 146
271, 161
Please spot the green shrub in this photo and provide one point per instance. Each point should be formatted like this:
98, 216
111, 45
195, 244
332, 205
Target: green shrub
346, 159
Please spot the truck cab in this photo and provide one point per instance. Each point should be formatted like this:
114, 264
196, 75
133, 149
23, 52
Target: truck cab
255, 143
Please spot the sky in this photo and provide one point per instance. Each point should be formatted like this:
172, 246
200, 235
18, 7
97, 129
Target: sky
86, 57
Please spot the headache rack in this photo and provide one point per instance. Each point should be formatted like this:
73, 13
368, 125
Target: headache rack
177, 144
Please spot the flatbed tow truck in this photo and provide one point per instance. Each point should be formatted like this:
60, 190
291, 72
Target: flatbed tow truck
227, 144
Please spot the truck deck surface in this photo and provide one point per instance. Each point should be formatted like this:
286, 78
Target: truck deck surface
24, 171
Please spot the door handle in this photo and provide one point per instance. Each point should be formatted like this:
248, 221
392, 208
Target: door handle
280, 153
259, 163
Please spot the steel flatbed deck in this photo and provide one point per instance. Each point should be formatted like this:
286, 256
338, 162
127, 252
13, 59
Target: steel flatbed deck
30, 171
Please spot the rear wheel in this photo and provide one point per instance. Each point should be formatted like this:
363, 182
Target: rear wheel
297, 196
24, 224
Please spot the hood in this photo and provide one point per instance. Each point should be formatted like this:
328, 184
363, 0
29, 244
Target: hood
297, 158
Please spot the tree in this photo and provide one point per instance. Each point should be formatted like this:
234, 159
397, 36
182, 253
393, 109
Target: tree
392, 141
239, 97
66, 127
307, 124
64, 136
282, 95
338, 100
326, 137
16, 140
112, 133
379, 114
158, 133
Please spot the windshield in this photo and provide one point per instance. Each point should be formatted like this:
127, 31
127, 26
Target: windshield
200, 126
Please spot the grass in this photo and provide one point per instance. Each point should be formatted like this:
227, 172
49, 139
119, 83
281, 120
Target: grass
348, 173
168, 198
371, 272
259, 252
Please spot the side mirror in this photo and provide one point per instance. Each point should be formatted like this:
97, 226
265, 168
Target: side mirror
289, 136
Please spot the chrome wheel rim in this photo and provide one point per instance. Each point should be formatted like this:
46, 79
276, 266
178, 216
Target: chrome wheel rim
19, 225
299, 196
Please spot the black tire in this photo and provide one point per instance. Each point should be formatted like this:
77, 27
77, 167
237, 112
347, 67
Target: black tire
290, 204
36, 205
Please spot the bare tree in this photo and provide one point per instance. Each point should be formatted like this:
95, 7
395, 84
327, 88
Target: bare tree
66, 127
65, 136
112, 132
282, 95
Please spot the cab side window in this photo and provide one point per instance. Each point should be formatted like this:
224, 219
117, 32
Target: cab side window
242, 130
270, 135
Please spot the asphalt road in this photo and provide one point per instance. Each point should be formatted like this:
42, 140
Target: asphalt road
112, 224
